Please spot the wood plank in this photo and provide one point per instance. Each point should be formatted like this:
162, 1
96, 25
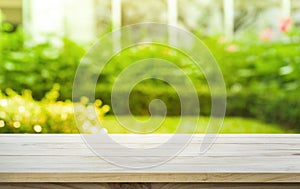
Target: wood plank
153, 177
233, 158
155, 139
146, 186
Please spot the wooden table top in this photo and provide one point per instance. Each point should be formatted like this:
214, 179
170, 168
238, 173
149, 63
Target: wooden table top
232, 158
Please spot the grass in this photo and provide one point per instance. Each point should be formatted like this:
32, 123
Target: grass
170, 124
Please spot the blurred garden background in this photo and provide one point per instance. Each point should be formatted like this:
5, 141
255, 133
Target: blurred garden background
256, 44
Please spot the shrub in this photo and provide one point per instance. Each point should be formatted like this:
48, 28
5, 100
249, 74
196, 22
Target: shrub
23, 114
37, 67
262, 78
141, 96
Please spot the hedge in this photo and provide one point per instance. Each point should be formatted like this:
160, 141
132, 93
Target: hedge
262, 78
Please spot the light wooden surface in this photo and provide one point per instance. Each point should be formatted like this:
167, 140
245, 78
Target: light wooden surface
148, 186
233, 158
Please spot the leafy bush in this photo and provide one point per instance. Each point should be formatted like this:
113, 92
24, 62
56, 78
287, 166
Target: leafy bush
141, 96
147, 90
262, 77
37, 67
23, 114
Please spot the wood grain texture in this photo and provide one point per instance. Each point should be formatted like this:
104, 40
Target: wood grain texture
63, 158
148, 186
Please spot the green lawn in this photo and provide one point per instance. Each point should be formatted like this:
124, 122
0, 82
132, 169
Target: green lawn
169, 125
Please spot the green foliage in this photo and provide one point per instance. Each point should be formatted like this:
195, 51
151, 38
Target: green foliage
262, 78
23, 114
147, 51
170, 125
37, 67
141, 96
147, 90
